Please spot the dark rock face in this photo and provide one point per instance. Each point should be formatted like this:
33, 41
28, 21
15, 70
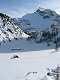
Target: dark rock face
15, 56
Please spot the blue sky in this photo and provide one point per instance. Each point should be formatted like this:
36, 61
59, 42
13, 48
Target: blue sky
18, 8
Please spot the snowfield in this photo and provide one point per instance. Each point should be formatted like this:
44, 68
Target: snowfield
35, 61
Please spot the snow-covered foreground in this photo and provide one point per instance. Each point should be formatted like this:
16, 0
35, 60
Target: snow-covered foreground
35, 61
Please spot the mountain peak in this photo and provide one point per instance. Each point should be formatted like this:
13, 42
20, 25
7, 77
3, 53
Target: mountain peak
43, 11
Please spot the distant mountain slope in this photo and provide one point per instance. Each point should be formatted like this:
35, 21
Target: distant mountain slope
41, 19
43, 26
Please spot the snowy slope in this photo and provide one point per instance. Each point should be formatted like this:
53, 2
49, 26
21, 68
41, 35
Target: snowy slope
36, 61
22, 45
8, 30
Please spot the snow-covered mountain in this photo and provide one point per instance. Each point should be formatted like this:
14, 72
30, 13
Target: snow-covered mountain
39, 20
44, 22
43, 26
8, 30
10, 33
